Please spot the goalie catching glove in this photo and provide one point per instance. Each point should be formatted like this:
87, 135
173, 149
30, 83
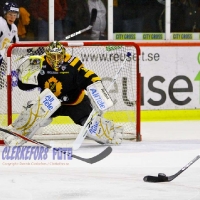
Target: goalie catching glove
29, 69
104, 131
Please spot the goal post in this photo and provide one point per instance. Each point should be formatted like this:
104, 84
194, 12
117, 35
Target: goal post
104, 58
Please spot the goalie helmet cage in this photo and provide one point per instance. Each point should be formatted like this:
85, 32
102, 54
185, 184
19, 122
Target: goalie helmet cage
105, 59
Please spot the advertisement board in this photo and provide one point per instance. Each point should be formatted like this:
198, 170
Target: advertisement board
170, 77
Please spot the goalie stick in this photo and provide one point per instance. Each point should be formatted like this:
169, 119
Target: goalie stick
163, 178
83, 132
106, 152
92, 20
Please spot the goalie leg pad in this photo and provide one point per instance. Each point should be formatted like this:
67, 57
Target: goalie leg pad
46, 122
35, 115
104, 131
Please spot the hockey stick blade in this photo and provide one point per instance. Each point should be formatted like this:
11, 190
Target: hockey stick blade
156, 179
106, 152
163, 178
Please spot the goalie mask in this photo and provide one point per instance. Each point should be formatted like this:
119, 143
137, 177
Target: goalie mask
55, 53
11, 7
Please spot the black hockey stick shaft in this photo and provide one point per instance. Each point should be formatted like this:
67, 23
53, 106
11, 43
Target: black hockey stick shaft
184, 168
163, 178
106, 152
24, 138
93, 16
92, 20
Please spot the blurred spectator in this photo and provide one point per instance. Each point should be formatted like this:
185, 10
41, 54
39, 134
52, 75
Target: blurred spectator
184, 16
128, 16
68, 21
115, 3
40, 11
24, 20
117, 17
99, 27
77, 19
149, 16
151, 12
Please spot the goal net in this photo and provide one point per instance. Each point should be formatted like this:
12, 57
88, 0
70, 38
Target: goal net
105, 59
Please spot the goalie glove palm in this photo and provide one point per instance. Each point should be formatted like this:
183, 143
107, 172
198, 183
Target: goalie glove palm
29, 69
104, 131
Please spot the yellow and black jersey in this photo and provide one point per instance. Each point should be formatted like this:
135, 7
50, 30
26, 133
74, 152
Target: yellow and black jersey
67, 83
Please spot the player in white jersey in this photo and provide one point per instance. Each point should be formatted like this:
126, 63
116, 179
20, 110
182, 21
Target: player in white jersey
8, 30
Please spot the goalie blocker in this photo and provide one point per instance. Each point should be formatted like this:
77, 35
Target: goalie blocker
99, 97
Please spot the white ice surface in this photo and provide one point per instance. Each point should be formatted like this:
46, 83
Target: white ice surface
166, 147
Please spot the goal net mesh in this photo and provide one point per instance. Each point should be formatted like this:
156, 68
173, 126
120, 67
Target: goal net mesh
104, 59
